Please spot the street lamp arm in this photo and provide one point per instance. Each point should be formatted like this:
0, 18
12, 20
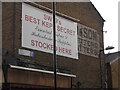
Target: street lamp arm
107, 48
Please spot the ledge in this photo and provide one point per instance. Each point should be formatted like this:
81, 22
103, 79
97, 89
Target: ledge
42, 71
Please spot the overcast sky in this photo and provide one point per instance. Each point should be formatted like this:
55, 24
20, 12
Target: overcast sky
109, 11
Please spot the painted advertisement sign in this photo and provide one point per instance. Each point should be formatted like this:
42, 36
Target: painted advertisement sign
88, 41
37, 32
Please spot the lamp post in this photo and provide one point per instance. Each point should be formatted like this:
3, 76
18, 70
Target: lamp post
101, 70
54, 48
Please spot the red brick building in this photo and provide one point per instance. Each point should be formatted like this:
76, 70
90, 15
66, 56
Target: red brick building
113, 76
21, 69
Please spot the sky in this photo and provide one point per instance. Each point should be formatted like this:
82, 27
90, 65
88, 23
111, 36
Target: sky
109, 11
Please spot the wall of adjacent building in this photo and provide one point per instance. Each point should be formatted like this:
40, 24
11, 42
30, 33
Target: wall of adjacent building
115, 74
0, 43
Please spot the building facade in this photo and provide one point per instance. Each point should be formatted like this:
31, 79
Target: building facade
30, 65
113, 76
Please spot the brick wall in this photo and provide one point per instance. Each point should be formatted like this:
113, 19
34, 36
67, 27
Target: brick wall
86, 67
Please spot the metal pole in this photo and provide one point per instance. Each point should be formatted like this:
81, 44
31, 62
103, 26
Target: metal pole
100, 68
54, 49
